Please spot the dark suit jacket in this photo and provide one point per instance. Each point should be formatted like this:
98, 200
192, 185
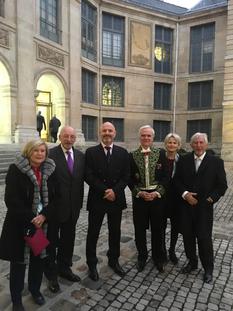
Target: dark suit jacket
208, 181
101, 176
71, 185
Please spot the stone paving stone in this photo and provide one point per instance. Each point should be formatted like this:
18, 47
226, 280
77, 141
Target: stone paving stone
63, 305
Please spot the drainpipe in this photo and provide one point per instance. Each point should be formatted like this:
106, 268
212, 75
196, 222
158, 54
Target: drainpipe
175, 78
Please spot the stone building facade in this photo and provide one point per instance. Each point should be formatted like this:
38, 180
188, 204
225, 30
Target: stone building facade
131, 62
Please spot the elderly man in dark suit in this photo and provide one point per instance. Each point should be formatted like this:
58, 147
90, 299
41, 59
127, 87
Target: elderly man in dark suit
70, 164
107, 174
201, 180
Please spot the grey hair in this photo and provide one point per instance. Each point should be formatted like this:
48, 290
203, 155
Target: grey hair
146, 127
175, 136
197, 135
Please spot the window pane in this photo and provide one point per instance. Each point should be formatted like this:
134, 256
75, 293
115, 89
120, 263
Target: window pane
203, 126
162, 128
162, 99
113, 40
113, 91
200, 95
107, 44
202, 48
89, 28
88, 86
163, 49
49, 20
89, 127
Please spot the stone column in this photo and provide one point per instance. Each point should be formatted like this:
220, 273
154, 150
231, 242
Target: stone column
26, 111
227, 131
75, 69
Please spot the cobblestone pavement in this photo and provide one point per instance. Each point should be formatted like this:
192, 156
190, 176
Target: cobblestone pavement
145, 291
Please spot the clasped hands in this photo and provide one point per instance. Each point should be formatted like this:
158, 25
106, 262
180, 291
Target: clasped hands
190, 197
148, 196
38, 221
109, 195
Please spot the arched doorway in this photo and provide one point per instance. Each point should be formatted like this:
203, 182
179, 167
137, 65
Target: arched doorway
50, 100
5, 106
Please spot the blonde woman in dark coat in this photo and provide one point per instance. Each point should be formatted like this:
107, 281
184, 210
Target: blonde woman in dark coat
30, 193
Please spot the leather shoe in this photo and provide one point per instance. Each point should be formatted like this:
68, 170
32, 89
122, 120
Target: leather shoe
53, 286
173, 258
160, 267
18, 307
39, 299
208, 277
189, 267
117, 268
140, 265
93, 274
69, 275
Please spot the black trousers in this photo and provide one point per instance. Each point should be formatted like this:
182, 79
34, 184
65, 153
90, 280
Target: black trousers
145, 215
61, 248
193, 235
54, 136
17, 275
95, 220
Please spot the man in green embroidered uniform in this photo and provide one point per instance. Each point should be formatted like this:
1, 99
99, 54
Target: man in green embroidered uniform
148, 180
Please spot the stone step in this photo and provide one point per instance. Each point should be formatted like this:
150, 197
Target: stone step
7, 157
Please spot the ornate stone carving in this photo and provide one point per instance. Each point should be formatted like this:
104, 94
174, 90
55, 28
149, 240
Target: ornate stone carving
4, 37
50, 56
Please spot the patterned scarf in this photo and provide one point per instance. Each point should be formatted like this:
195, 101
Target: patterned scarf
39, 197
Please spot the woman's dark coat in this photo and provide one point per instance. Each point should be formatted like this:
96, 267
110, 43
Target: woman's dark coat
19, 199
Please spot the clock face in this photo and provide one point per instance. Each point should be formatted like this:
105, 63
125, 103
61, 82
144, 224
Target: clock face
159, 53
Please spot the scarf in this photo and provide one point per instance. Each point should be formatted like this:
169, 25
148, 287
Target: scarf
40, 196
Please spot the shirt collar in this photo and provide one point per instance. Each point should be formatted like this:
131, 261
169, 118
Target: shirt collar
65, 150
145, 150
201, 157
103, 145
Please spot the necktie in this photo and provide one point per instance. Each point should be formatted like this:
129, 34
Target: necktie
108, 155
70, 161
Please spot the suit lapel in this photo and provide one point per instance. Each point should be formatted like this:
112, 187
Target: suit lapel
192, 164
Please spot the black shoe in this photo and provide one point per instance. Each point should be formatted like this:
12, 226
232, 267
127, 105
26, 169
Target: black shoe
38, 299
160, 266
93, 274
189, 267
53, 286
173, 258
18, 307
69, 275
140, 265
117, 268
208, 277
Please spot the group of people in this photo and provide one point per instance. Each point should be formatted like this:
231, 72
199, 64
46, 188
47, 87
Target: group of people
45, 188
54, 125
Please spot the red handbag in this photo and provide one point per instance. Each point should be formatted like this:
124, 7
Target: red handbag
37, 242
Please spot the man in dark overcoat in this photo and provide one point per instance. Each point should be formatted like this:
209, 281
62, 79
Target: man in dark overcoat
107, 174
62, 229
201, 180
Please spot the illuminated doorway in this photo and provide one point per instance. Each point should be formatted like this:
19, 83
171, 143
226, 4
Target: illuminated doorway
50, 101
5, 106
44, 105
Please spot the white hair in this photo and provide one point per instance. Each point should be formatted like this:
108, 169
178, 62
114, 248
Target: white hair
197, 135
146, 127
